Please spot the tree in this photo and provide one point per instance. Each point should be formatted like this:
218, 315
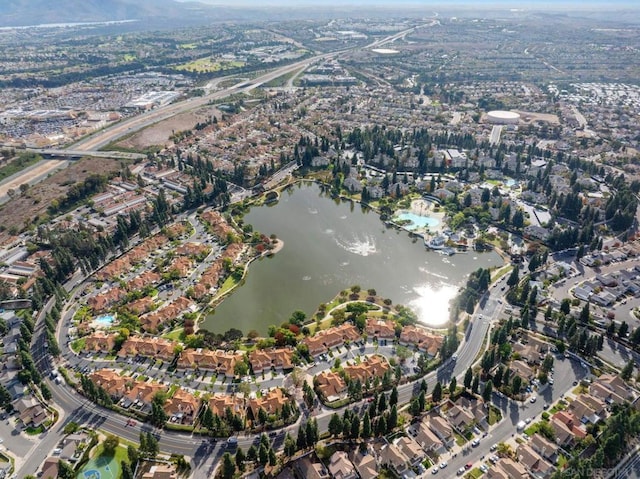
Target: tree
468, 377
127, 473
240, 458
393, 398
382, 403
453, 385
335, 425
436, 394
623, 330
71, 427
228, 467
252, 453
514, 277
627, 371
289, 445
516, 384
132, 454
565, 306
488, 389
393, 418
547, 364
584, 314
301, 440
263, 455
355, 428
366, 426
65, 470
272, 457
158, 415
475, 384
110, 444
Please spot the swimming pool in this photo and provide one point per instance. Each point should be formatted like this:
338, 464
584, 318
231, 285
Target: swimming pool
417, 221
105, 320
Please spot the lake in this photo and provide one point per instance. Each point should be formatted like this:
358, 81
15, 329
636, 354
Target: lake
330, 245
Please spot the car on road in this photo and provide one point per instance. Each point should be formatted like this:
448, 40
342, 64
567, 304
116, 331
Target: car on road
546, 406
435, 470
533, 399
493, 448
130, 422
528, 420
484, 468
443, 464
461, 471
468, 465
475, 443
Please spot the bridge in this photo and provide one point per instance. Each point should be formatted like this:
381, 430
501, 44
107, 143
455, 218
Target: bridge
77, 154
14, 304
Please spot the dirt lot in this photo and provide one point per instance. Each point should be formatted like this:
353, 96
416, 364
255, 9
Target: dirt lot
530, 117
23, 210
158, 134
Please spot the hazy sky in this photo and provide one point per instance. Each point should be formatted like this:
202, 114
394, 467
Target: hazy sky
531, 4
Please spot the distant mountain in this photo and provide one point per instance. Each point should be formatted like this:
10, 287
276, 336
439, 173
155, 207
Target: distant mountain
35, 12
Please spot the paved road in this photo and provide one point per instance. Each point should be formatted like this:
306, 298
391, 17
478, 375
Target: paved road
108, 135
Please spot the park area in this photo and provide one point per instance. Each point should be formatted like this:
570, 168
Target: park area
104, 465
209, 65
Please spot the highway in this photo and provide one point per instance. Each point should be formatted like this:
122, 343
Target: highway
104, 137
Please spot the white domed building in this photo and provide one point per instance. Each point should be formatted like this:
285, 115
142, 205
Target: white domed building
500, 117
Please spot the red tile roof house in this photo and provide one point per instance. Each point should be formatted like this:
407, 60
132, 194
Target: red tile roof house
183, 406
147, 278
567, 428
102, 301
151, 321
422, 339
371, 367
219, 403
378, 329
149, 347
100, 341
271, 402
140, 306
221, 362
114, 384
143, 392
330, 385
266, 359
322, 341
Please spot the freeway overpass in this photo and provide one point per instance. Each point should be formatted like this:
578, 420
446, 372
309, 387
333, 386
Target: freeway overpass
77, 154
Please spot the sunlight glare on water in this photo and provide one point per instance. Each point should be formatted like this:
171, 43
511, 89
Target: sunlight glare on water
432, 303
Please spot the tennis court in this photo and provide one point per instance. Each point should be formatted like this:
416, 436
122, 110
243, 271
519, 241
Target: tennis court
101, 467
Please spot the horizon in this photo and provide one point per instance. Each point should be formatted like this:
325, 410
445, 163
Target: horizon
466, 4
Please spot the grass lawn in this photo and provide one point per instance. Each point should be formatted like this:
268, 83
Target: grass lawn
227, 286
474, 473
460, 441
556, 407
173, 335
531, 430
562, 461
494, 415
33, 431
